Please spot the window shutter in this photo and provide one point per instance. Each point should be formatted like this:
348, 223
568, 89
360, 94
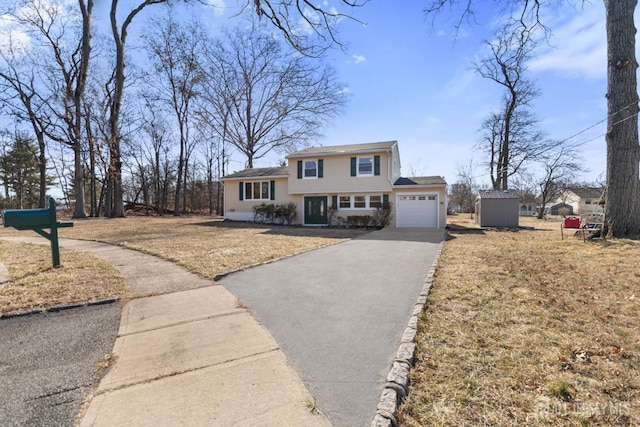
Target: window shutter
241, 190
334, 202
299, 169
376, 165
385, 198
320, 168
272, 186
353, 166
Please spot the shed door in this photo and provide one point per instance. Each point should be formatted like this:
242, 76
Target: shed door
417, 210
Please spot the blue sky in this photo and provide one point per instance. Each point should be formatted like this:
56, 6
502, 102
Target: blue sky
410, 80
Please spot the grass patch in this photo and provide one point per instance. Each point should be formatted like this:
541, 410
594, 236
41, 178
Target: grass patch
34, 284
522, 328
204, 245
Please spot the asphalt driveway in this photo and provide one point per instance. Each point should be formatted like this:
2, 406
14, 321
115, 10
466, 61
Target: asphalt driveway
47, 363
339, 312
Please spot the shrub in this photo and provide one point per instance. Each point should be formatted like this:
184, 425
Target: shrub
264, 213
285, 213
382, 215
354, 221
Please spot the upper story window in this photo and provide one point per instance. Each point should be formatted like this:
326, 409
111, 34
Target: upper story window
310, 169
365, 166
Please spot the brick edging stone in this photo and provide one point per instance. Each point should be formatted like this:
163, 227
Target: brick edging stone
396, 387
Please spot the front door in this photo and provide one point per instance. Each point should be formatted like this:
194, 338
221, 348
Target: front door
315, 210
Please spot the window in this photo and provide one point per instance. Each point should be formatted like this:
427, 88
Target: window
365, 166
359, 202
344, 202
310, 169
257, 190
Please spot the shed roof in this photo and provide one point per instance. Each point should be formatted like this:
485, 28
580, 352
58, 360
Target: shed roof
497, 194
259, 173
334, 150
421, 180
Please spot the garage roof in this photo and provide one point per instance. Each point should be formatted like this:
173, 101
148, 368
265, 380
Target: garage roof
420, 180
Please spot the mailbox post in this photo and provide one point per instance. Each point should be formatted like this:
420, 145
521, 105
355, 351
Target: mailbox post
37, 220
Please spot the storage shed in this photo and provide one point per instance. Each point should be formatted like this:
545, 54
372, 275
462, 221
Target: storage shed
497, 208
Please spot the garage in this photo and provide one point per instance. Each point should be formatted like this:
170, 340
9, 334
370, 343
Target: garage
417, 210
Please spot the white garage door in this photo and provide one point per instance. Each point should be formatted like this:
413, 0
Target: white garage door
417, 210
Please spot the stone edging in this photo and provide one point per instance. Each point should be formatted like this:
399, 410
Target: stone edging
397, 385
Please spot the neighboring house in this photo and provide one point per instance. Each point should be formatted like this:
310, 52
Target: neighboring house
497, 208
558, 209
527, 209
355, 179
582, 199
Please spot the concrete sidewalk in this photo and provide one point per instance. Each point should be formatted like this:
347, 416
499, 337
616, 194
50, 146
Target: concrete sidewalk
188, 354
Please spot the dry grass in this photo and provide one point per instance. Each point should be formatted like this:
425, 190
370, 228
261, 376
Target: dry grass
522, 328
203, 245
34, 284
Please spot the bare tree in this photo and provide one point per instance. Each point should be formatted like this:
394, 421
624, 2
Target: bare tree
509, 136
623, 148
273, 99
463, 191
560, 167
320, 19
60, 52
174, 52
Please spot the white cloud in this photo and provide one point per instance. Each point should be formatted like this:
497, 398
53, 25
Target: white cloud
12, 37
359, 58
577, 48
218, 6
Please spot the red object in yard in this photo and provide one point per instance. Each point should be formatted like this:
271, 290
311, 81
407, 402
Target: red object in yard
571, 222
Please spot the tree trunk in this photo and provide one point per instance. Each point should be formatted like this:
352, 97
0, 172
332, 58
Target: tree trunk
78, 182
622, 206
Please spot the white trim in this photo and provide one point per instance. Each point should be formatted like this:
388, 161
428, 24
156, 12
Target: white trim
373, 161
251, 199
367, 201
425, 194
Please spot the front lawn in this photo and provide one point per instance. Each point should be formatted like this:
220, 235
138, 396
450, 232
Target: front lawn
523, 328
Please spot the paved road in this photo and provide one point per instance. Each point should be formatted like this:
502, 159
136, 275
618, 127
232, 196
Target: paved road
47, 360
339, 313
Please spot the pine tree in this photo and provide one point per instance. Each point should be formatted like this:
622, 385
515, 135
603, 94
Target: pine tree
20, 173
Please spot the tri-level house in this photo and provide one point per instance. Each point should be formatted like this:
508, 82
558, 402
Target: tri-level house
353, 179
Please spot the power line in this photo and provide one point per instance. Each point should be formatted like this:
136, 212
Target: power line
601, 121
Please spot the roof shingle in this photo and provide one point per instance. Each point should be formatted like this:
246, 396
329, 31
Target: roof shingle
343, 149
259, 173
